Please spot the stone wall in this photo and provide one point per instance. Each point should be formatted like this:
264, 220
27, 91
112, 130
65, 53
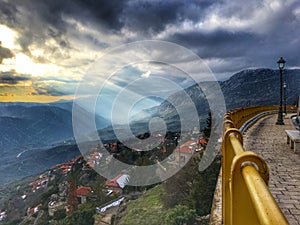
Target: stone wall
216, 210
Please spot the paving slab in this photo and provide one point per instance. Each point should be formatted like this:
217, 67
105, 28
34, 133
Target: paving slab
269, 141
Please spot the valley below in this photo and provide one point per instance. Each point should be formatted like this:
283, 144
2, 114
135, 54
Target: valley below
37, 144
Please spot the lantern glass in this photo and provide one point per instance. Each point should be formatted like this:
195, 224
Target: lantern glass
281, 63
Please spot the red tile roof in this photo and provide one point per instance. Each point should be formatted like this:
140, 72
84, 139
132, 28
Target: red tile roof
188, 143
119, 181
34, 210
184, 149
202, 141
83, 191
113, 182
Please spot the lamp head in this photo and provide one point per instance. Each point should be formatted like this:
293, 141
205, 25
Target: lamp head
281, 63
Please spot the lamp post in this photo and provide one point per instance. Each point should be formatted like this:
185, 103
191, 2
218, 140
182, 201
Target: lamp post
284, 97
281, 63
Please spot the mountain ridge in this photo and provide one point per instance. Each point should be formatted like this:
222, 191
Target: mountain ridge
245, 88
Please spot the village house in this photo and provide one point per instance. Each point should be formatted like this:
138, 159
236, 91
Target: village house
40, 183
64, 168
24, 196
202, 141
3, 215
117, 184
82, 193
184, 152
34, 210
94, 159
112, 204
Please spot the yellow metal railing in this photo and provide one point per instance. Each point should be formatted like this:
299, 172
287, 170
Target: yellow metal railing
246, 198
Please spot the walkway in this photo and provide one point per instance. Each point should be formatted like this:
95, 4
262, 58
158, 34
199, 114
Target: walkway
269, 141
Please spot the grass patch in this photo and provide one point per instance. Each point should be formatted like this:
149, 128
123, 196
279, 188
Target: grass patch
148, 209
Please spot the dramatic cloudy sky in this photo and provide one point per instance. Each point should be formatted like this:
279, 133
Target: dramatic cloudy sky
48, 46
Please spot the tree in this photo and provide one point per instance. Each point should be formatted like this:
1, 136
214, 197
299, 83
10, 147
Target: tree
72, 197
192, 188
81, 217
59, 214
207, 129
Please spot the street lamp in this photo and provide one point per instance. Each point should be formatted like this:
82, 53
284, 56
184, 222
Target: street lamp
284, 97
281, 63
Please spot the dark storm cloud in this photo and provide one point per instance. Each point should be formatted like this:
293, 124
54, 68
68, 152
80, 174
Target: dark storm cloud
41, 86
8, 12
46, 18
11, 77
103, 11
5, 53
49, 92
216, 44
33, 20
246, 34
52, 90
153, 16
54, 86
37, 20
40, 19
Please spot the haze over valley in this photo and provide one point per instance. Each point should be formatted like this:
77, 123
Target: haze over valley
42, 134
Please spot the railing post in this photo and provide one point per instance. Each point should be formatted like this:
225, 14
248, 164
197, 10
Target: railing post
243, 210
228, 155
246, 198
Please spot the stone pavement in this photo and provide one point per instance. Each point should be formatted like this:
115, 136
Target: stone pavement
269, 141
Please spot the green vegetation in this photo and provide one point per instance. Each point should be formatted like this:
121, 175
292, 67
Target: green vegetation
207, 129
45, 197
80, 217
182, 199
192, 188
179, 215
59, 214
148, 208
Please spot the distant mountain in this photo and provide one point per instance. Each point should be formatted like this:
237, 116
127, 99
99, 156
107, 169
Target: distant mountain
33, 161
32, 132
37, 125
35, 136
247, 88
33, 125
260, 87
169, 113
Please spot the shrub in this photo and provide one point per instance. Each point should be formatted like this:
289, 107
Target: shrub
81, 217
180, 215
59, 214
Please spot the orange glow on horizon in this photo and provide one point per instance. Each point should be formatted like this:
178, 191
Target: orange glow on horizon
34, 98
